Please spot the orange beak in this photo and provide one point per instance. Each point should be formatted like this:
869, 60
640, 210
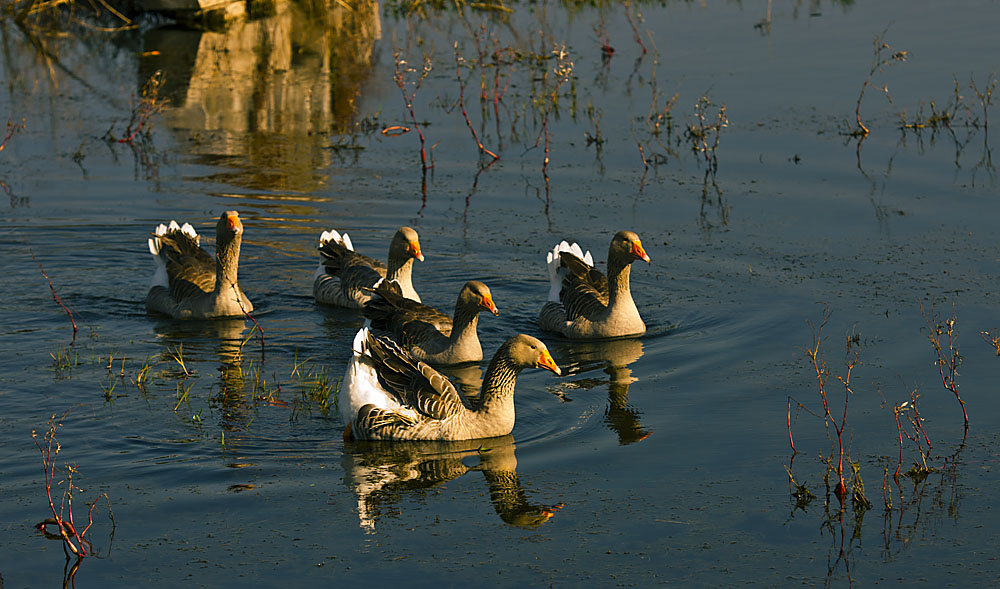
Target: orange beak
545, 361
638, 252
487, 303
415, 250
234, 222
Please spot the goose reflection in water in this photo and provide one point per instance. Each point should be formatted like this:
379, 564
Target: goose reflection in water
383, 474
614, 356
226, 340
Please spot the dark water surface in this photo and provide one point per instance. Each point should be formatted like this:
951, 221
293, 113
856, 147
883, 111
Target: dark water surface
659, 459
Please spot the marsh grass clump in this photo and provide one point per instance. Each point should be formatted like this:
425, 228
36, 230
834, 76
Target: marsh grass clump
63, 361
320, 391
177, 355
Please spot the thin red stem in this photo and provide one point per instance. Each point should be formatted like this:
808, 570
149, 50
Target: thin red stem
55, 295
791, 442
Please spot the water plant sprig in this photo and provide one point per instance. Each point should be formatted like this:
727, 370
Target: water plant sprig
947, 360
74, 539
881, 57
822, 375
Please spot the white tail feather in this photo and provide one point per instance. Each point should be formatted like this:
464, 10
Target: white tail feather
335, 237
360, 348
556, 271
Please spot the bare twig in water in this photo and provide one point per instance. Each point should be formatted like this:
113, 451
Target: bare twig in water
635, 30
563, 71
55, 295
459, 62
400, 77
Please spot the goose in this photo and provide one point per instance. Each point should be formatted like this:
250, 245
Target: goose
583, 303
428, 334
344, 275
190, 283
391, 396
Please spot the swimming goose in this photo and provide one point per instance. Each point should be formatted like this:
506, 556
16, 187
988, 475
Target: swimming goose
583, 303
343, 275
387, 395
428, 334
190, 283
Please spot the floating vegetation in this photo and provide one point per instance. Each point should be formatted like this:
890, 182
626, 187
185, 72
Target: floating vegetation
63, 361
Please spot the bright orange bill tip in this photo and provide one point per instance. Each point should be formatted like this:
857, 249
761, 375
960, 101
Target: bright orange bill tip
415, 250
638, 252
234, 222
545, 361
488, 304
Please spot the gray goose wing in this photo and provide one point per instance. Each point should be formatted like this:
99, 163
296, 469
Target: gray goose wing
354, 270
413, 383
190, 269
584, 288
409, 321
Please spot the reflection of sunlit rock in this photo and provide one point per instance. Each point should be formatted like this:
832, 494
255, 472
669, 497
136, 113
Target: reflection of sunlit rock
180, 8
615, 356
383, 474
265, 91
